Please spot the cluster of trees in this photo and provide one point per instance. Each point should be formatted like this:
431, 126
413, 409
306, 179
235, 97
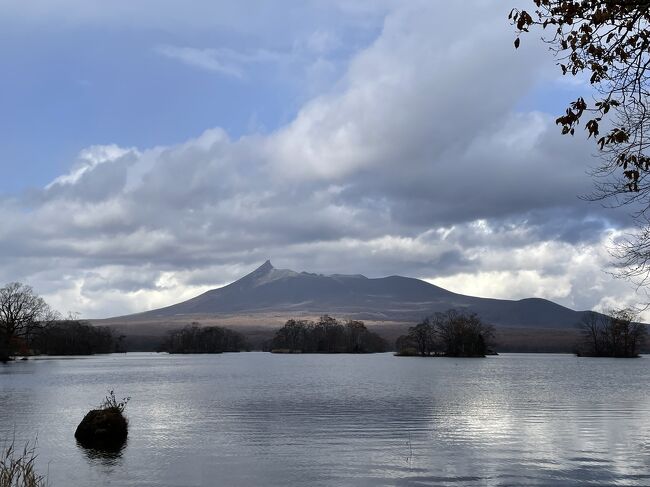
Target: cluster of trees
29, 326
72, 337
209, 339
452, 334
327, 335
613, 335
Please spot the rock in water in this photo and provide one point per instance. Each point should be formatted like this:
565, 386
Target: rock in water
102, 428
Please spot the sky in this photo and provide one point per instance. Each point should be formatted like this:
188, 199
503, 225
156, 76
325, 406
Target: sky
153, 150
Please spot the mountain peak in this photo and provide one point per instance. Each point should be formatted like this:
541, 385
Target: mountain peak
267, 266
262, 270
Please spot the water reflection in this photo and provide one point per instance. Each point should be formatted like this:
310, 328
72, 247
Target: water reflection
261, 419
108, 455
105, 461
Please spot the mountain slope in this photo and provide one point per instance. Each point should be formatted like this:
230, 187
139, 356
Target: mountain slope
271, 290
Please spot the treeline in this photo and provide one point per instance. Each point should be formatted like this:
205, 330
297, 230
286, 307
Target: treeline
209, 339
327, 335
28, 326
62, 337
71, 337
612, 335
451, 334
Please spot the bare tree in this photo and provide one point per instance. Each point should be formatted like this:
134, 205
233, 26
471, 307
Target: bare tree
592, 325
331, 332
463, 334
356, 333
423, 336
21, 312
193, 339
452, 334
328, 335
615, 334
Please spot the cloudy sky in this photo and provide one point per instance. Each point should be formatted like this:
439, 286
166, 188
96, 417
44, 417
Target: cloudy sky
153, 150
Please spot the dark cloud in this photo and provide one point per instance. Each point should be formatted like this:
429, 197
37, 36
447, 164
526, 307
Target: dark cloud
416, 163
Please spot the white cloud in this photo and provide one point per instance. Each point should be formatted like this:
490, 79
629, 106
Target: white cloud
89, 159
572, 275
415, 162
208, 59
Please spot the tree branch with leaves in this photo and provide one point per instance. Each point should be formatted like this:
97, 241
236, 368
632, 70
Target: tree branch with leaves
610, 42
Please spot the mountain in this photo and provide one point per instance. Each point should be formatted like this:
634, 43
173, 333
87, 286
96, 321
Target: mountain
268, 290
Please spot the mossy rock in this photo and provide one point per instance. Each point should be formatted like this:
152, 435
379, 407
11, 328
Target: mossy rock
102, 428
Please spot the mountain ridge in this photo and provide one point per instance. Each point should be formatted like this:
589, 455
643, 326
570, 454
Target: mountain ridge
393, 298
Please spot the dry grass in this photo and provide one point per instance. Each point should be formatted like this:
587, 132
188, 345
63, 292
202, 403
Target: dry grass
17, 467
111, 402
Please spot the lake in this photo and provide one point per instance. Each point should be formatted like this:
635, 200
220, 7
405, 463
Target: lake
258, 419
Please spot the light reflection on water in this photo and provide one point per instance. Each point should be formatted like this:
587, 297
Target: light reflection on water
280, 420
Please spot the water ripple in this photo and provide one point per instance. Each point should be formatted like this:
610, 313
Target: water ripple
318, 420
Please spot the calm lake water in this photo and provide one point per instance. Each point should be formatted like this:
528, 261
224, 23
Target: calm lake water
258, 419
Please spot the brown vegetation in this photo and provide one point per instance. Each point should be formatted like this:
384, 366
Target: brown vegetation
17, 468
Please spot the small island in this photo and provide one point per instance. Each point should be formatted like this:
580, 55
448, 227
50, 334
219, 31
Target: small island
614, 334
327, 335
204, 339
449, 334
